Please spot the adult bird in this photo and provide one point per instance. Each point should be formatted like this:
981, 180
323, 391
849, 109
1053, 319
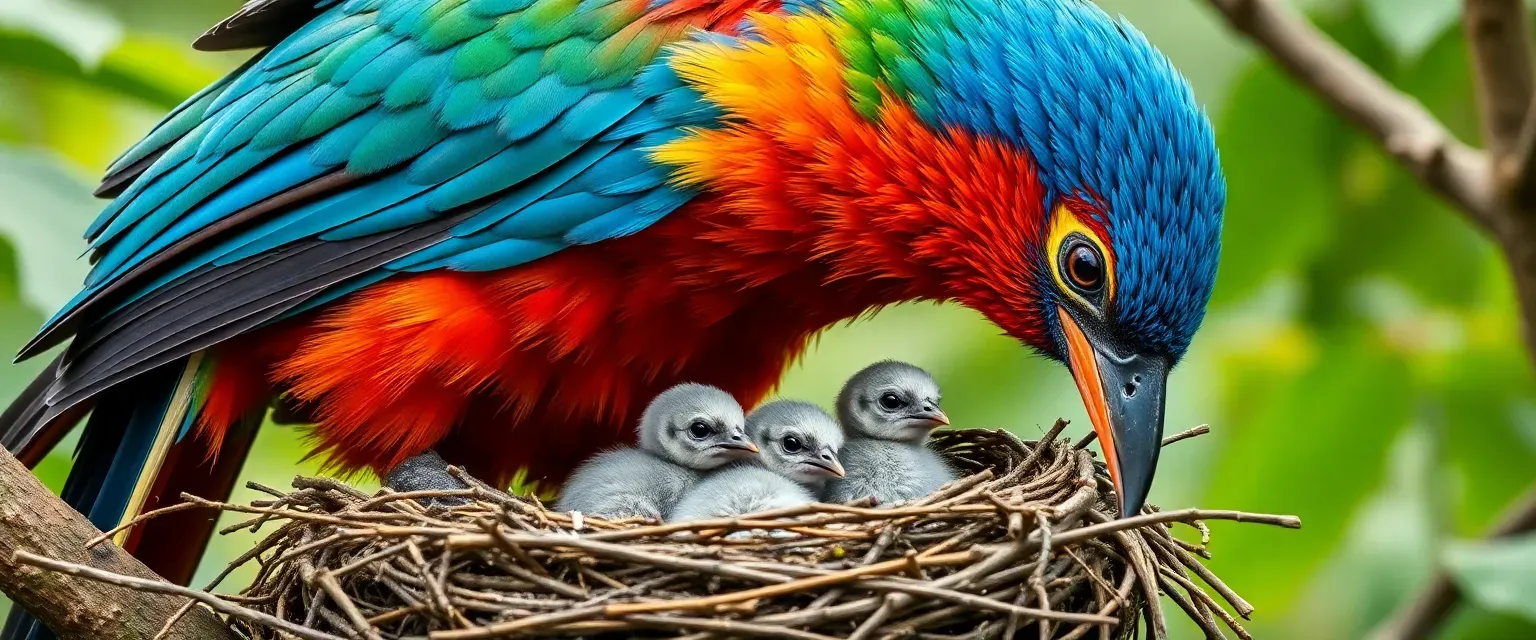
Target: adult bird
497, 227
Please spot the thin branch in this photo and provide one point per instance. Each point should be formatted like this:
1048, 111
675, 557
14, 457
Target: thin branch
157, 586
1444, 165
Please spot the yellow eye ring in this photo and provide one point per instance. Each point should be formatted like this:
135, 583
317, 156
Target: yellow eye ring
1082, 265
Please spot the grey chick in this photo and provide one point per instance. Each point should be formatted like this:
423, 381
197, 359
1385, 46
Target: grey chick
688, 429
799, 444
888, 410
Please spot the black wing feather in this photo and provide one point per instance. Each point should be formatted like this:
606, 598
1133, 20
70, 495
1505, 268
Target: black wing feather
248, 297
260, 23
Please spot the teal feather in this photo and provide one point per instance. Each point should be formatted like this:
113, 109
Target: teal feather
464, 106
235, 122
515, 77
377, 74
417, 83
480, 57
316, 36
363, 57
536, 111
598, 112
631, 218
517, 163
288, 127
555, 216
498, 255
179, 122
345, 51
335, 110
400, 16
652, 178
532, 110
617, 167
335, 147
455, 155
533, 188
399, 137
493, 8
456, 26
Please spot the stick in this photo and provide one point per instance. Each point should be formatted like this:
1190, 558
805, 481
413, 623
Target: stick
156, 586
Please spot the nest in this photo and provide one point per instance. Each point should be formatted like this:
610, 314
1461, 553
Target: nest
1025, 543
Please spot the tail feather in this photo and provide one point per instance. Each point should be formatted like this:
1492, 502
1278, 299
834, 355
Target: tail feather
22, 429
122, 449
122, 446
172, 545
171, 426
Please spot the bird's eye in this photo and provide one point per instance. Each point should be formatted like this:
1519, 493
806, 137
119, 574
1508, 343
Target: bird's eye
1084, 267
891, 402
699, 430
791, 444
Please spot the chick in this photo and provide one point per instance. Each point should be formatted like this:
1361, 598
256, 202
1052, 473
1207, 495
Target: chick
799, 444
686, 430
888, 410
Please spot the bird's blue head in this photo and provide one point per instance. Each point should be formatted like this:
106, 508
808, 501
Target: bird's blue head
1131, 189
1038, 159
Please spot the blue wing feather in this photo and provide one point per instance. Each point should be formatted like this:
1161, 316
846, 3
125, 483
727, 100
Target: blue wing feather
368, 89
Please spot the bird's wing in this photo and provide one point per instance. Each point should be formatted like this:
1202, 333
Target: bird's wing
383, 136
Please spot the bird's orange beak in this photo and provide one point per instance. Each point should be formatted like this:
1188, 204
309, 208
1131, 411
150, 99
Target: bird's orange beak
1124, 398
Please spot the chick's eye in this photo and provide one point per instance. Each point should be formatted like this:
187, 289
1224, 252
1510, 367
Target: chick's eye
699, 430
891, 402
1085, 269
792, 444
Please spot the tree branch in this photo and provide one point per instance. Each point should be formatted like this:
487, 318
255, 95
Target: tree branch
1419, 618
1499, 37
1522, 164
33, 520
1499, 40
1404, 128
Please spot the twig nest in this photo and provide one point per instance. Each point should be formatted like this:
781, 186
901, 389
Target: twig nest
1026, 538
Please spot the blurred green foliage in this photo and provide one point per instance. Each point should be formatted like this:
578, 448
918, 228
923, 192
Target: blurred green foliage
1361, 364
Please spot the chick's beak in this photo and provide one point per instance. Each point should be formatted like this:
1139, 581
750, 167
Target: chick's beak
935, 415
739, 443
1124, 395
826, 459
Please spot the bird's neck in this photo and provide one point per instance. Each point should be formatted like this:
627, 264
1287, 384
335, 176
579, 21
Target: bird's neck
886, 207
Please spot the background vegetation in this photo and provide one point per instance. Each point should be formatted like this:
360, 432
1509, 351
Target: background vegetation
1360, 366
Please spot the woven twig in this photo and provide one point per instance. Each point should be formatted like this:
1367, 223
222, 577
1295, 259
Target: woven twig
1025, 545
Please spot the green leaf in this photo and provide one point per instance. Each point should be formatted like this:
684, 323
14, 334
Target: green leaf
1410, 26
1290, 180
1497, 574
42, 213
1279, 210
137, 69
83, 32
1313, 445
1486, 395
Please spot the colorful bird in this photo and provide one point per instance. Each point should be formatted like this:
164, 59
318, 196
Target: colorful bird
497, 228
